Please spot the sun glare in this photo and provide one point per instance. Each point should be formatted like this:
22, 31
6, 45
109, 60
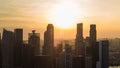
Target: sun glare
64, 14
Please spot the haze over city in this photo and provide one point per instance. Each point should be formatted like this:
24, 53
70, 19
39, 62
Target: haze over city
59, 33
63, 14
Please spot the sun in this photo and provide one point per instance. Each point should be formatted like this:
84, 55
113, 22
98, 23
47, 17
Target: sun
64, 14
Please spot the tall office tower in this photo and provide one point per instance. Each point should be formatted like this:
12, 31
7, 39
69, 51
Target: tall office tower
18, 47
87, 47
68, 56
0, 53
34, 41
8, 41
93, 45
79, 45
93, 33
104, 54
28, 56
48, 48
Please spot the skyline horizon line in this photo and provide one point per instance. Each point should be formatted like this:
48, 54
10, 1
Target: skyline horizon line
61, 29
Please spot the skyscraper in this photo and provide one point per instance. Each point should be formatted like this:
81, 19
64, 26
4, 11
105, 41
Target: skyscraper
79, 45
104, 54
68, 56
34, 41
18, 47
93, 44
0, 53
8, 40
48, 48
93, 33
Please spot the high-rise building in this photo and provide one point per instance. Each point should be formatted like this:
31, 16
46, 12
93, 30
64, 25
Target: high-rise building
48, 48
8, 42
60, 60
68, 56
0, 53
18, 47
104, 54
87, 46
28, 56
34, 41
93, 34
79, 44
93, 44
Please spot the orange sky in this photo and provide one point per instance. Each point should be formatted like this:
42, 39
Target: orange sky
36, 14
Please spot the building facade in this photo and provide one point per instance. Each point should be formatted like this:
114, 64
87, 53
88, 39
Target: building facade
34, 41
7, 47
104, 54
18, 47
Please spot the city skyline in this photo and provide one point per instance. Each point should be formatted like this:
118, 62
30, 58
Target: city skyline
37, 14
16, 53
59, 33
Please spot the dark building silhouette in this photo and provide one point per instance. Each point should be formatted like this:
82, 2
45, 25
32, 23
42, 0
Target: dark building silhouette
68, 56
48, 47
93, 44
18, 47
34, 41
87, 47
0, 53
93, 34
60, 61
65, 58
27, 56
79, 45
8, 42
104, 54
87, 53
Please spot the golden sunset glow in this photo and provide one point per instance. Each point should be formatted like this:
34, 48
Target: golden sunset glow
64, 14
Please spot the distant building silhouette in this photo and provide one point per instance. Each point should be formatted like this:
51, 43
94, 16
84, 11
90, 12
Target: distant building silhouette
0, 53
48, 48
68, 56
86, 53
28, 56
104, 54
8, 40
79, 44
93, 34
93, 44
18, 47
34, 41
